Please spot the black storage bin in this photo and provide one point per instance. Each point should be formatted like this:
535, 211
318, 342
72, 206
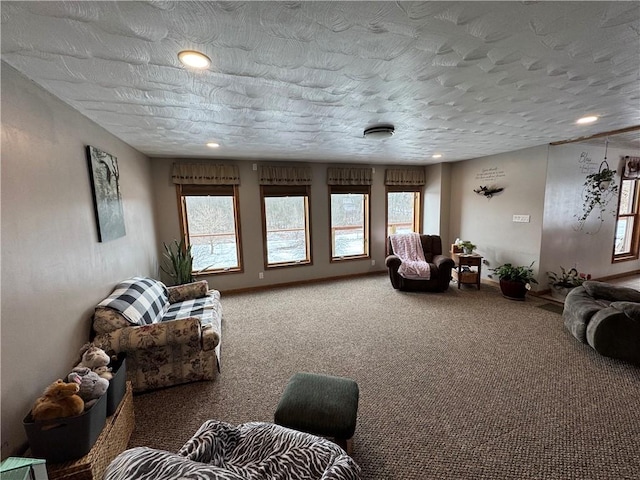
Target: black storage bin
118, 384
62, 439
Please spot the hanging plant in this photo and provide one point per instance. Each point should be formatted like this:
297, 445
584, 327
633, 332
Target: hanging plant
599, 188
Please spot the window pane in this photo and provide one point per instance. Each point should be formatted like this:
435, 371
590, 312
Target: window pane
212, 232
627, 191
624, 234
400, 212
348, 224
286, 219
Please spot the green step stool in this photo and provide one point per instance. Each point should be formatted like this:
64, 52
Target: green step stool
322, 405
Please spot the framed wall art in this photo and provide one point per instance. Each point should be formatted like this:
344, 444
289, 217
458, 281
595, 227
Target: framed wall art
107, 198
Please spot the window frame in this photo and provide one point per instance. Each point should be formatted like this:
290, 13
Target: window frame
186, 190
417, 205
286, 191
357, 190
634, 252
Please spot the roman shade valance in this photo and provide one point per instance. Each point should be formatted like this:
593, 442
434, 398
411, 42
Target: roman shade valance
205, 174
404, 177
349, 176
285, 176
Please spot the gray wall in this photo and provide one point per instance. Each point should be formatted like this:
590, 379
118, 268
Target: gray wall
564, 241
54, 270
488, 222
251, 226
546, 183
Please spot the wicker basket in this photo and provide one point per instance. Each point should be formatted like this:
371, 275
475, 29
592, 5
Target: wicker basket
112, 440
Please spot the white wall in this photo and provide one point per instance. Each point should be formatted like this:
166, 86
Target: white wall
565, 242
488, 222
54, 270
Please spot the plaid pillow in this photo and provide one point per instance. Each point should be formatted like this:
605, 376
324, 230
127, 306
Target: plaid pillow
198, 307
140, 300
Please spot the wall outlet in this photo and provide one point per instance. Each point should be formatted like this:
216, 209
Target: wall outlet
255, 167
521, 218
260, 275
373, 263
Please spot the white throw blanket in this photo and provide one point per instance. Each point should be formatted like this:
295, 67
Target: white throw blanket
408, 248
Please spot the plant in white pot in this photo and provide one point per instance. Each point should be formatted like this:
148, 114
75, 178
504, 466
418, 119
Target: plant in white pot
467, 246
515, 281
565, 281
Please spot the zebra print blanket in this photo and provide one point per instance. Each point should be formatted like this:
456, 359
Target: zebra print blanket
250, 451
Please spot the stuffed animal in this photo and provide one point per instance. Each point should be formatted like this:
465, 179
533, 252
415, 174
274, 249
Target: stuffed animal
91, 385
93, 357
59, 400
104, 372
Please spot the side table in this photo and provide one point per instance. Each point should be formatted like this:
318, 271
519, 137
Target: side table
468, 269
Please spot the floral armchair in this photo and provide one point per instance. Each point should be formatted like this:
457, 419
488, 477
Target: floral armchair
170, 335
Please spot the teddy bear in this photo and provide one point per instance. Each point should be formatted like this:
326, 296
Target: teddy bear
59, 400
104, 372
91, 385
96, 360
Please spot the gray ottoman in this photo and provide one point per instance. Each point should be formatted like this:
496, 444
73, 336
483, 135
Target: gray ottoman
321, 405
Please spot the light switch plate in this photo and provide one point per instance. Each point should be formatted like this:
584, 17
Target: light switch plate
521, 218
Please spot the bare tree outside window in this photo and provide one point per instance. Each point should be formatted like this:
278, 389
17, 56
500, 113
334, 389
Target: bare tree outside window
286, 229
348, 224
212, 232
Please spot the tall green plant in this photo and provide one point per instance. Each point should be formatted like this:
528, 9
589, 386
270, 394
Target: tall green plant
178, 262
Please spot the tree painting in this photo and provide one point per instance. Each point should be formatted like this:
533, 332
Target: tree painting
105, 183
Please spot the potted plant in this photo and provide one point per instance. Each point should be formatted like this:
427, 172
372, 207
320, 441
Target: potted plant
515, 280
565, 281
178, 262
467, 246
599, 189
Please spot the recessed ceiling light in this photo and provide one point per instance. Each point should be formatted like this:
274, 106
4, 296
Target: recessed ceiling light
191, 58
213, 145
589, 119
437, 155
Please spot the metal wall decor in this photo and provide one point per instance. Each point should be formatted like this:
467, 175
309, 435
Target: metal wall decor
107, 199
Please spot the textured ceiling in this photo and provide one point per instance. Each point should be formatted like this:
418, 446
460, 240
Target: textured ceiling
302, 80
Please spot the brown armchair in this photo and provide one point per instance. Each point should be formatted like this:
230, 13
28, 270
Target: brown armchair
439, 264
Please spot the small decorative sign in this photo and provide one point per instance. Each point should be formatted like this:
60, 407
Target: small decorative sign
490, 174
107, 200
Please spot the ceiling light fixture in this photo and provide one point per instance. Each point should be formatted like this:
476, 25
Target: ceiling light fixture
379, 131
588, 119
437, 155
191, 58
213, 145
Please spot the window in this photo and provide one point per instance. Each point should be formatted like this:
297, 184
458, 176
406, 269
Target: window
403, 209
349, 206
210, 223
627, 232
285, 213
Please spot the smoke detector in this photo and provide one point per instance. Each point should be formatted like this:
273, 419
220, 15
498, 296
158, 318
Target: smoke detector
379, 131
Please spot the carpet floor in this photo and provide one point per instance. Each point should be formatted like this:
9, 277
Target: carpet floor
457, 385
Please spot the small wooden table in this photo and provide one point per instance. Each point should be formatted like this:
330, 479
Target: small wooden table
468, 276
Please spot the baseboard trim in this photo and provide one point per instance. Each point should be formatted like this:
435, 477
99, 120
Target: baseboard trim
301, 282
